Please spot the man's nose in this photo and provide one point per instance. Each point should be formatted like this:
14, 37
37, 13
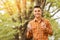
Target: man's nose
37, 12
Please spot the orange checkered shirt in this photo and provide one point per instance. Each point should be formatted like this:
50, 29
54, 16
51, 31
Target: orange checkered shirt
34, 29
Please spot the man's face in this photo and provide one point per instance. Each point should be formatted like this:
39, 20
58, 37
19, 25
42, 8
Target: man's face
37, 12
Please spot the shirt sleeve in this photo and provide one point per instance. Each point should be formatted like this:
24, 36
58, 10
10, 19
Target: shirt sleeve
29, 31
48, 28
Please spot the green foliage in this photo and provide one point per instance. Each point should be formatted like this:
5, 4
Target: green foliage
8, 23
54, 24
6, 27
54, 3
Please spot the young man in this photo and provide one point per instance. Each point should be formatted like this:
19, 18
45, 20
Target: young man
39, 28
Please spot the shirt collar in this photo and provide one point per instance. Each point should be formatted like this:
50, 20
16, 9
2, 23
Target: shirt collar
36, 20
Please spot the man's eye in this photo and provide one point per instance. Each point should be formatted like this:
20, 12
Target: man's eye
38, 10
35, 11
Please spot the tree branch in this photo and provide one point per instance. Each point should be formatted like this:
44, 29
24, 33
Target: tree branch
40, 3
49, 6
57, 18
43, 3
55, 12
47, 3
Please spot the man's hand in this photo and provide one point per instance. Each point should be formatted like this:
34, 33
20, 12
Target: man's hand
43, 26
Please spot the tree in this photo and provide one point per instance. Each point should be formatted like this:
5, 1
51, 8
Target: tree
20, 12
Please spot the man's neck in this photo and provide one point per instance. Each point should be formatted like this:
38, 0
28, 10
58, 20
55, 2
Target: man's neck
38, 18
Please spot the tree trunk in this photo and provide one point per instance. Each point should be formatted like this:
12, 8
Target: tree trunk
40, 3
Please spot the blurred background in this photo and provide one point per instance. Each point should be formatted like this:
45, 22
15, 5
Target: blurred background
15, 15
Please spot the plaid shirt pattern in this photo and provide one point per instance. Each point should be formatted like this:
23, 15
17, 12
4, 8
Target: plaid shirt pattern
34, 29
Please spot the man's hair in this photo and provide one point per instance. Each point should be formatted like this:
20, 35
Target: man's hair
37, 7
